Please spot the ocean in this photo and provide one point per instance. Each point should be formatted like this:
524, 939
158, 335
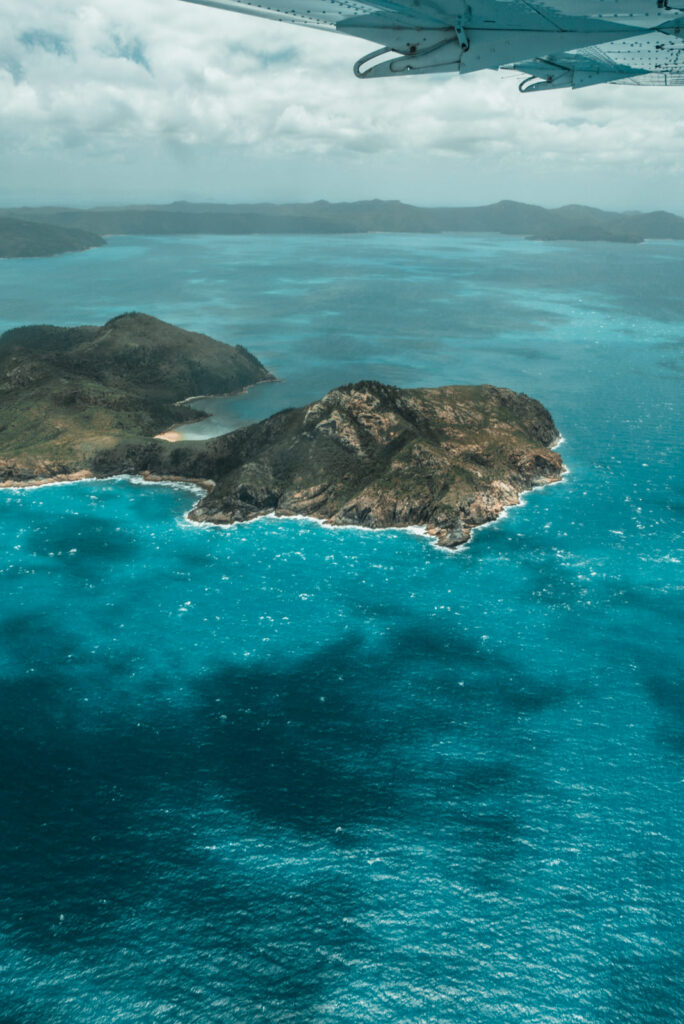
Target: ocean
286, 774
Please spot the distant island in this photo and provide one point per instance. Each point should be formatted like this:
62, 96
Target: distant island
88, 401
30, 238
567, 223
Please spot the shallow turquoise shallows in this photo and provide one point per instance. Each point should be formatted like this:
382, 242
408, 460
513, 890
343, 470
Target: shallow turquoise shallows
283, 774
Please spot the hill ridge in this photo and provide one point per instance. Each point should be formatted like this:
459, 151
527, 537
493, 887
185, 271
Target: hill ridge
507, 217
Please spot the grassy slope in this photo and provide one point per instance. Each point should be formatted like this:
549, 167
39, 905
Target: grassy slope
67, 393
20, 238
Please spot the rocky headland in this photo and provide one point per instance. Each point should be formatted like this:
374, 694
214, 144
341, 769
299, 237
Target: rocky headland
89, 401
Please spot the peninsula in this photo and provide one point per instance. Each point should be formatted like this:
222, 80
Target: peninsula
89, 401
20, 238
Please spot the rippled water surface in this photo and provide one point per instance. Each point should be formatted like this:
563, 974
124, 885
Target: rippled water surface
282, 773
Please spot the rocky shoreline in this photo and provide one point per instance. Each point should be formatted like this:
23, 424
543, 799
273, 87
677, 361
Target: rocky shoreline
367, 454
194, 515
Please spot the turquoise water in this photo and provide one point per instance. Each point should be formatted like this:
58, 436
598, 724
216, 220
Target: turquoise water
282, 773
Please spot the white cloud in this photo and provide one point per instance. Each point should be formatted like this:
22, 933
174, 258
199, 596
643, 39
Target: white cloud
112, 81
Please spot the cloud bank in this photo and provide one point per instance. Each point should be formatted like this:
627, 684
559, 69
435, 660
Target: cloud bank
145, 94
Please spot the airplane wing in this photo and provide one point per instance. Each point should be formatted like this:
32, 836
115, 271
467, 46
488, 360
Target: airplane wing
557, 44
655, 58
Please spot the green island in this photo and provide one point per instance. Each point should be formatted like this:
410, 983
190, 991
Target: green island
99, 401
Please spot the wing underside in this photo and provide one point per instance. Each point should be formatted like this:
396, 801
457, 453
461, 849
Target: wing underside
578, 43
652, 59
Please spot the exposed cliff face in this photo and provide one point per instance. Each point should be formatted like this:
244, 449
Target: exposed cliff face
369, 454
68, 393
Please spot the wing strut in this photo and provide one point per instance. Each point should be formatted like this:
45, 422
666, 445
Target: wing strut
416, 60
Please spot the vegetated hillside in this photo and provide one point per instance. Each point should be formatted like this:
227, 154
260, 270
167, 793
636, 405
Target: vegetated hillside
371, 455
20, 238
68, 392
508, 218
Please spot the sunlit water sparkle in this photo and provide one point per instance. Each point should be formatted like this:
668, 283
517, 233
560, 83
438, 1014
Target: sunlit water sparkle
282, 773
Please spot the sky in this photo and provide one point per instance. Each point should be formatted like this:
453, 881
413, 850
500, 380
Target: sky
119, 101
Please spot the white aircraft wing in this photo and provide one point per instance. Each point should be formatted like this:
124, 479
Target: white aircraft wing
652, 59
557, 44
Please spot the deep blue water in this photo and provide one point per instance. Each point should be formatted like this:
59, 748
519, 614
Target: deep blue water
282, 773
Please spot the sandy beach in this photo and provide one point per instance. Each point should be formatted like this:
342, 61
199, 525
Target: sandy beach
169, 435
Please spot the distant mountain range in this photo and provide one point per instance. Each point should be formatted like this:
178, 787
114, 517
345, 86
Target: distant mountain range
572, 223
